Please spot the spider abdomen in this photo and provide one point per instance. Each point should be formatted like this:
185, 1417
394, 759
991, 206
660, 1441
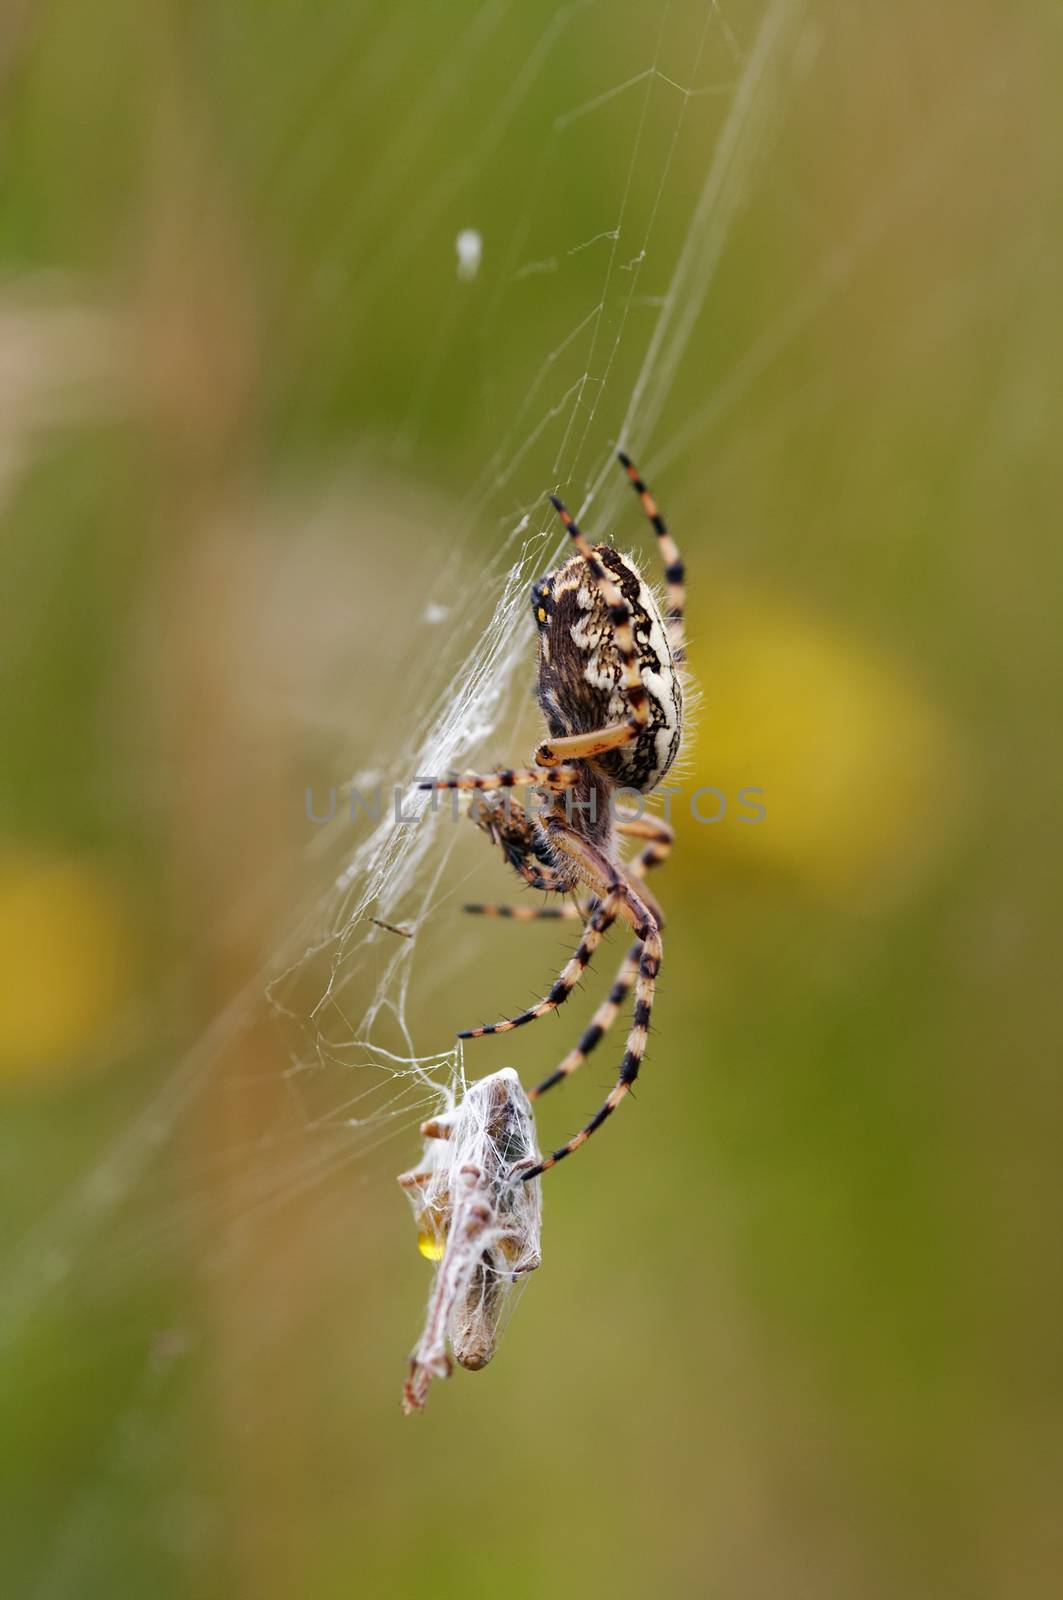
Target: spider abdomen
580, 685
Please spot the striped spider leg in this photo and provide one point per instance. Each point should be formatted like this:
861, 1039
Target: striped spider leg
661, 838
604, 875
674, 570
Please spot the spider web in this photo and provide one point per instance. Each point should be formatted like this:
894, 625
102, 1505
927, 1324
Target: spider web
401, 872
707, 95
357, 1072
523, 236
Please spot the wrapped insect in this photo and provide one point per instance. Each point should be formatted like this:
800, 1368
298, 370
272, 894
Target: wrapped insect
478, 1220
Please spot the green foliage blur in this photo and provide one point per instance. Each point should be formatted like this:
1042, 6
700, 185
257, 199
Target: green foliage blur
798, 1324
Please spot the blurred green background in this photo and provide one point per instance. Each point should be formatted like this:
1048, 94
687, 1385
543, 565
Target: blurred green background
797, 1329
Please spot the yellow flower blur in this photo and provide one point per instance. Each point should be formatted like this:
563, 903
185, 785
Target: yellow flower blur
857, 771
64, 962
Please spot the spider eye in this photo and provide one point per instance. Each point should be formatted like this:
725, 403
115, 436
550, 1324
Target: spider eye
541, 600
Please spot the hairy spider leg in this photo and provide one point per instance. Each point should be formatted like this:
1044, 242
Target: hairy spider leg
517, 834
674, 570
573, 970
581, 746
599, 1024
570, 912
661, 837
604, 877
552, 777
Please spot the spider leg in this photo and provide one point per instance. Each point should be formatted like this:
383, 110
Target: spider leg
569, 911
581, 746
661, 837
599, 1024
674, 570
511, 778
605, 877
517, 834
635, 882
621, 899
573, 970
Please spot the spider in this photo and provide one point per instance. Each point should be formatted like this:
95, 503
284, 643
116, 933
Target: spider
609, 687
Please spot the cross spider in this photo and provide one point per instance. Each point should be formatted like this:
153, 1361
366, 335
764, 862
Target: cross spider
609, 687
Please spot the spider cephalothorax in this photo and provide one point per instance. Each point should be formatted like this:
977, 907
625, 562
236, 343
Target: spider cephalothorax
609, 687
